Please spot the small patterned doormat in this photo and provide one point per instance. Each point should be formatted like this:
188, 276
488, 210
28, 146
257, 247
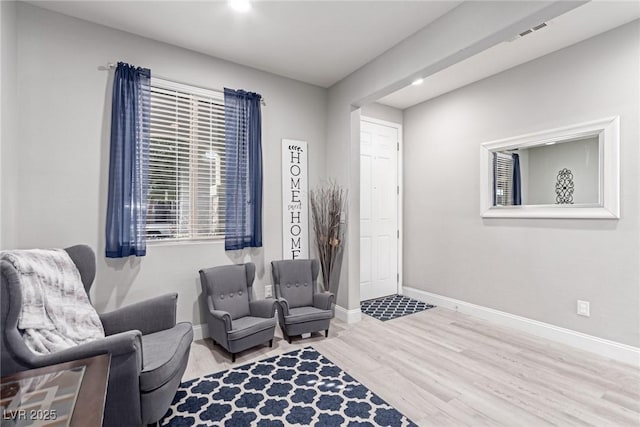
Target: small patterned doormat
299, 388
392, 307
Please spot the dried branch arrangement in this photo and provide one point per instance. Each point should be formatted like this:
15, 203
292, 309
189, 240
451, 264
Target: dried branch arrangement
327, 206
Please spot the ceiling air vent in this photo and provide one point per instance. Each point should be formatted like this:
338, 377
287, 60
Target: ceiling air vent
537, 27
530, 30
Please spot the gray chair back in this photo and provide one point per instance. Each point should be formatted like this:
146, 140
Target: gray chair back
229, 287
296, 280
14, 352
85, 260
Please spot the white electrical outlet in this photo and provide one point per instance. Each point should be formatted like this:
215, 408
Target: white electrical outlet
268, 292
583, 308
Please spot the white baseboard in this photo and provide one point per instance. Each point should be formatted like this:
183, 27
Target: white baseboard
348, 316
603, 347
200, 331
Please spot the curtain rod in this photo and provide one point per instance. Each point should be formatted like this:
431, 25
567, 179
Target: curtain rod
111, 66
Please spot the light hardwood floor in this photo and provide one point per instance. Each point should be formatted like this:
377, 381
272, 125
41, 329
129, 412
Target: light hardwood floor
440, 367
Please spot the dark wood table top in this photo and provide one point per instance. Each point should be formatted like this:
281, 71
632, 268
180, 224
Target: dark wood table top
89, 406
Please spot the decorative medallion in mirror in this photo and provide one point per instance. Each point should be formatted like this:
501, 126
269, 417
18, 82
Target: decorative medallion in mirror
570, 172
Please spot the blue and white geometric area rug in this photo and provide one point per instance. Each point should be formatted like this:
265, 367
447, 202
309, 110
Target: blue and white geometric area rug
392, 307
299, 388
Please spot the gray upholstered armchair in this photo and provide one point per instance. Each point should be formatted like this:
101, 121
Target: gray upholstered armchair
236, 321
302, 308
149, 351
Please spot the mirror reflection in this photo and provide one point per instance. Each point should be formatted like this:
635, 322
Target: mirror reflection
563, 173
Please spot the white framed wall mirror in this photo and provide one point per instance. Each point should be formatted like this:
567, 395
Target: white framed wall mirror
569, 172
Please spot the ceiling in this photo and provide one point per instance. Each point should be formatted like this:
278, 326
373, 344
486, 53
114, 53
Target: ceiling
579, 24
318, 42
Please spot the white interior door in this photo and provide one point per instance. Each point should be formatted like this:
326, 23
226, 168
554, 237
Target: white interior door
378, 210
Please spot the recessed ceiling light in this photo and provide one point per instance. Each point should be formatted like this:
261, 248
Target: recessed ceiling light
240, 5
550, 143
417, 82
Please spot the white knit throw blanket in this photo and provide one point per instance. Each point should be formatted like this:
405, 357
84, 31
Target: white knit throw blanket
56, 313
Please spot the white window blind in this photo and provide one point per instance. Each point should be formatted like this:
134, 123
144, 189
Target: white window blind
186, 198
503, 175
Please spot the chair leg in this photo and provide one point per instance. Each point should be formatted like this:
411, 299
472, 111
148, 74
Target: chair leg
326, 333
289, 339
233, 358
271, 342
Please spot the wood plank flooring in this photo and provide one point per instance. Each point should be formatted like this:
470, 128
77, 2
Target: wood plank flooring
443, 368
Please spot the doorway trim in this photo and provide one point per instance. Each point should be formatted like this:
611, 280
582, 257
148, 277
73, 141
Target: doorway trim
400, 205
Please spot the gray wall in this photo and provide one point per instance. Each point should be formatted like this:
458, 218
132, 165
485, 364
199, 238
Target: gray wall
8, 140
382, 112
451, 38
528, 267
544, 163
64, 118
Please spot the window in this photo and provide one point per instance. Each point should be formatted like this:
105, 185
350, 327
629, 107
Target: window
186, 199
503, 173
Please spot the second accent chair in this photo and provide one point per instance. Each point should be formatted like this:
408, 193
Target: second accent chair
235, 320
301, 308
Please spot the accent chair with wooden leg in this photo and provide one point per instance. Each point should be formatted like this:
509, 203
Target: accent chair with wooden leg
236, 321
301, 308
